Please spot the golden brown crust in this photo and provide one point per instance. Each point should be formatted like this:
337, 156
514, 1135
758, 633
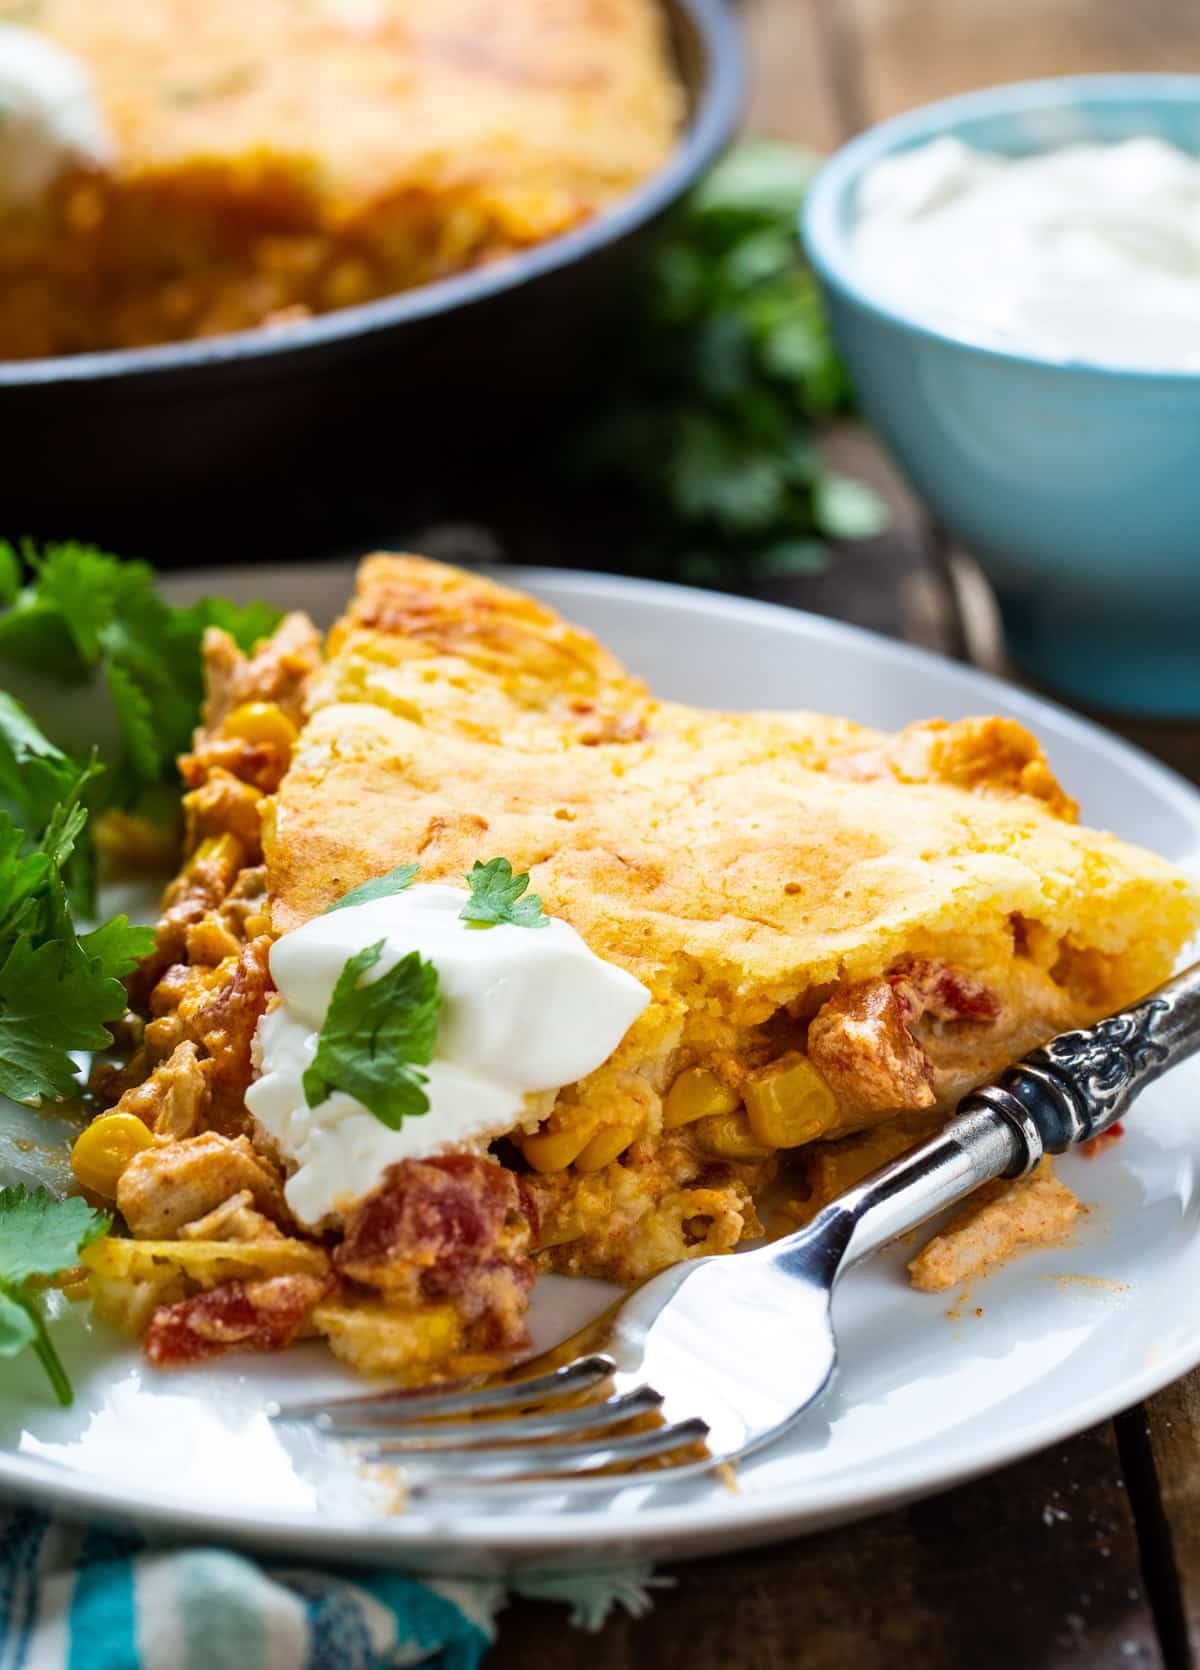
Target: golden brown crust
717, 856
986, 756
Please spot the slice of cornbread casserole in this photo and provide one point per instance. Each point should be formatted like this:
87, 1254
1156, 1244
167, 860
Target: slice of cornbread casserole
792, 944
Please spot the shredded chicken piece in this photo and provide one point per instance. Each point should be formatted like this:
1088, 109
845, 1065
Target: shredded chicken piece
174, 1099
860, 1044
164, 1188
278, 671
220, 1009
1003, 1218
234, 1220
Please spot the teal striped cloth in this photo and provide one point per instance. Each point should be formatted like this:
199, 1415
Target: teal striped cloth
75, 1597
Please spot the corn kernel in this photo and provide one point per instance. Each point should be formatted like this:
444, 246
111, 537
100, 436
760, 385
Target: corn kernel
727, 1136
605, 1146
261, 722
554, 1147
102, 1152
695, 1094
225, 853
789, 1103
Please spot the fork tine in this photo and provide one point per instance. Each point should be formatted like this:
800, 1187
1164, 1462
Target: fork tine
446, 1436
552, 1460
578, 1376
582, 1486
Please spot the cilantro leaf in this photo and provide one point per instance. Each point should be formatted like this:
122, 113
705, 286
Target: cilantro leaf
135, 717
382, 887
23, 876
377, 1036
117, 947
34, 774
40, 1237
496, 897
58, 991
245, 623
81, 610
848, 509
51, 1002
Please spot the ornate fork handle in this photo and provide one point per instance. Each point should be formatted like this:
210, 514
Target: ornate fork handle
1081, 1083
1075, 1088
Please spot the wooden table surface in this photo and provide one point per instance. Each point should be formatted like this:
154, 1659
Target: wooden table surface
1088, 1554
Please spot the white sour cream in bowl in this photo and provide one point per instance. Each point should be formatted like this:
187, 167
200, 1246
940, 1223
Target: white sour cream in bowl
1088, 252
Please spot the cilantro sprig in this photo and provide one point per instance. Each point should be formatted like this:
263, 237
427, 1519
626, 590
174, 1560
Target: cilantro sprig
715, 386
59, 989
380, 887
377, 1036
40, 1237
78, 611
496, 896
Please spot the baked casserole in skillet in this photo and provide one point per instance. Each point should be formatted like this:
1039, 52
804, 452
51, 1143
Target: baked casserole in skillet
184, 168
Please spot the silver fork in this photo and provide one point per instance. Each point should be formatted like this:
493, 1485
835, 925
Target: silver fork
710, 1360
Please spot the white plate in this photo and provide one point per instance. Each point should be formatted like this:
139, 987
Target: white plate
932, 1390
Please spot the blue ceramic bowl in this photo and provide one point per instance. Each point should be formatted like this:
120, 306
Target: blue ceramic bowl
1077, 485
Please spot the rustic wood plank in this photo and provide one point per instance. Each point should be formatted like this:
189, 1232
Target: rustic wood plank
794, 93
914, 50
1173, 1430
1036, 1566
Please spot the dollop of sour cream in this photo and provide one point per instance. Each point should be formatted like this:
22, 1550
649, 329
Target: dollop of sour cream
1088, 252
523, 1010
50, 117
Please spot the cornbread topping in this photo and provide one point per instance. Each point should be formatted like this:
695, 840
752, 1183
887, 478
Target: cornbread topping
522, 1011
1088, 252
49, 116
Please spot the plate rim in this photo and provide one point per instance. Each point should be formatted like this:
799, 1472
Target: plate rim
774, 1511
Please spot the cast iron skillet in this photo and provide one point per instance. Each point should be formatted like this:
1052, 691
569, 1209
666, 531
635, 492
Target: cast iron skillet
169, 448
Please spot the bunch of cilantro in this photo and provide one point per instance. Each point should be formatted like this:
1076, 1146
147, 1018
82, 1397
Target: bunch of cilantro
718, 381
71, 614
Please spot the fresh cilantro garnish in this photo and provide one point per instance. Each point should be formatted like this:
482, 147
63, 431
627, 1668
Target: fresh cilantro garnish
59, 989
382, 887
377, 1036
35, 778
73, 610
717, 381
496, 897
40, 1237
